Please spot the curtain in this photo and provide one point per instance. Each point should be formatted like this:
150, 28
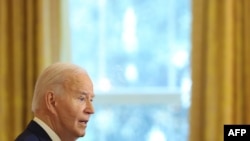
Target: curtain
220, 67
30, 39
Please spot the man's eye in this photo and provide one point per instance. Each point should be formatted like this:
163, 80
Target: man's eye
82, 98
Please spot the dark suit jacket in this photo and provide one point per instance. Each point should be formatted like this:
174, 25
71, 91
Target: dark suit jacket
33, 132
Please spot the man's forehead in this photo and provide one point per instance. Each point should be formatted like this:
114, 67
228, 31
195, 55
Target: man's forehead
79, 82
78, 76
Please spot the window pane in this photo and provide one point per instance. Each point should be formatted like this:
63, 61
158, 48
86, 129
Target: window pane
132, 44
135, 47
137, 123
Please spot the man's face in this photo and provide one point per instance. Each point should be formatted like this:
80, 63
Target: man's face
74, 107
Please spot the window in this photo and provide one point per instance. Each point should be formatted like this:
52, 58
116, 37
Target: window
137, 54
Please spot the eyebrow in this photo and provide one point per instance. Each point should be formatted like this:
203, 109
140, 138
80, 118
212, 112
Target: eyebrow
86, 94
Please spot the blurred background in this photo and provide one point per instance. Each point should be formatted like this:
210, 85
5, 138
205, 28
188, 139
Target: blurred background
137, 53
163, 70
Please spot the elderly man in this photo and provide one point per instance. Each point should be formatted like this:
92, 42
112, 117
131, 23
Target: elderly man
62, 104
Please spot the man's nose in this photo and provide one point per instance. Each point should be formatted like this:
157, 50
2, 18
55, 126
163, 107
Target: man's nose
89, 107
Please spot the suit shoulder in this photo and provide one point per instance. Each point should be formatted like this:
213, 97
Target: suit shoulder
27, 136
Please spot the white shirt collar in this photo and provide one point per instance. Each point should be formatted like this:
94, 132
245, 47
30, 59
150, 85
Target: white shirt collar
47, 129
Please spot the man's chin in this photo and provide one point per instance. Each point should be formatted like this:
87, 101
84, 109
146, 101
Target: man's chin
82, 134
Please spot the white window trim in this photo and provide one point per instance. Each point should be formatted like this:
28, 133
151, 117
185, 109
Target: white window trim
138, 98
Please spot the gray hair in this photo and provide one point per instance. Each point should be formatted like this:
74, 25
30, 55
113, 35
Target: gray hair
52, 79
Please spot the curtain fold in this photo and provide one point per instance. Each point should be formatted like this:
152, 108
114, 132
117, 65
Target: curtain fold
220, 67
30, 39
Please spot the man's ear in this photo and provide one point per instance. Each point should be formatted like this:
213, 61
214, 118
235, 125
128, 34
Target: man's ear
50, 100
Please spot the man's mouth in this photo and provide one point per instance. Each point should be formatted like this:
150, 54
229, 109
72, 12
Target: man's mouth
84, 122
